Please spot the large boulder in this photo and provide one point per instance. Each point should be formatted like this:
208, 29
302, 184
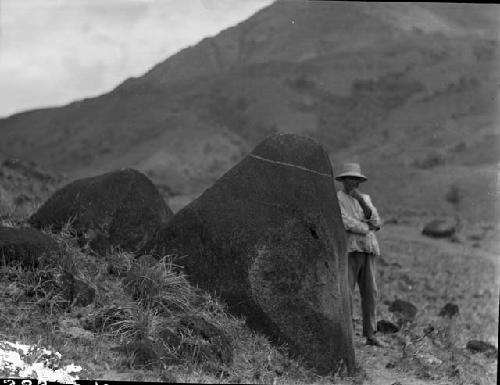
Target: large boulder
268, 238
24, 246
119, 209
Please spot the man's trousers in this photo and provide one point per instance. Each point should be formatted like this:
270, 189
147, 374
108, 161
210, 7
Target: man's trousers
362, 271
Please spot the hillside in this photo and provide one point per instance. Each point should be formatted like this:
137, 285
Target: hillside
24, 186
409, 90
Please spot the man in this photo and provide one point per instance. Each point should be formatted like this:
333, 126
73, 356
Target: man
361, 220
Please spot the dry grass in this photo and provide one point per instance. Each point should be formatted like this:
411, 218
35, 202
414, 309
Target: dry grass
161, 286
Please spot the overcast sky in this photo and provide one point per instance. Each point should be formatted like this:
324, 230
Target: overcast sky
56, 51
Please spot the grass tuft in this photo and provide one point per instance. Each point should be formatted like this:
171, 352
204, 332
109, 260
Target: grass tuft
161, 286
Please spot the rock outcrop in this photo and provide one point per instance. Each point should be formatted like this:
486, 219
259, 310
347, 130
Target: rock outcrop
268, 238
120, 209
24, 246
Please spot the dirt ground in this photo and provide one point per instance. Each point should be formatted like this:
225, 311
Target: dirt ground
429, 273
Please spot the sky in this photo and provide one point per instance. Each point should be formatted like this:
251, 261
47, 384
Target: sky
53, 52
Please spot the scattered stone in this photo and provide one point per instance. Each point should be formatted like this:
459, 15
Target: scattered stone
386, 327
449, 310
25, 246
456, 238
269, 240
405, 310
477, 346
75, 291
121, 209
219, 348
440, 228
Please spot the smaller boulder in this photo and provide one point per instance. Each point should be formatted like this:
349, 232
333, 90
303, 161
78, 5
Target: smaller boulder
121, 209
406, 311
440, 228
24, 246
477, 346
384, 326
449, 310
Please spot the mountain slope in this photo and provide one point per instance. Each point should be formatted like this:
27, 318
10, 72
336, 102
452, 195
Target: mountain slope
410, 90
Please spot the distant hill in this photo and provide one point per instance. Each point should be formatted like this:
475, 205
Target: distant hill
408, 89
24, 186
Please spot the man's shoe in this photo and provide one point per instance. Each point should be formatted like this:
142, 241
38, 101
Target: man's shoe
373, 341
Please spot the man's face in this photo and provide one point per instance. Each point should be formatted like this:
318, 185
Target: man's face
351, 183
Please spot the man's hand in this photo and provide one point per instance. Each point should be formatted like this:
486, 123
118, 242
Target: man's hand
356, 194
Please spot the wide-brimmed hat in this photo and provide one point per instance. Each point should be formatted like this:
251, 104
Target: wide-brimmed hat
352, 170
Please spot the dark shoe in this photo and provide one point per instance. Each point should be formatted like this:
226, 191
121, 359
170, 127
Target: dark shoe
373, 341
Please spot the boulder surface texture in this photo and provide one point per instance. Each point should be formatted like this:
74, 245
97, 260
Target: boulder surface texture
119, 209
268, 239
24, 246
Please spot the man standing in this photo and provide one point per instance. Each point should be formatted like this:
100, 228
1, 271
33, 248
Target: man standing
361, 220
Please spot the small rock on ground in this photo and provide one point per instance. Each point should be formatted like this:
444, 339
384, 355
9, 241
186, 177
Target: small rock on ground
449, 310
405, 310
